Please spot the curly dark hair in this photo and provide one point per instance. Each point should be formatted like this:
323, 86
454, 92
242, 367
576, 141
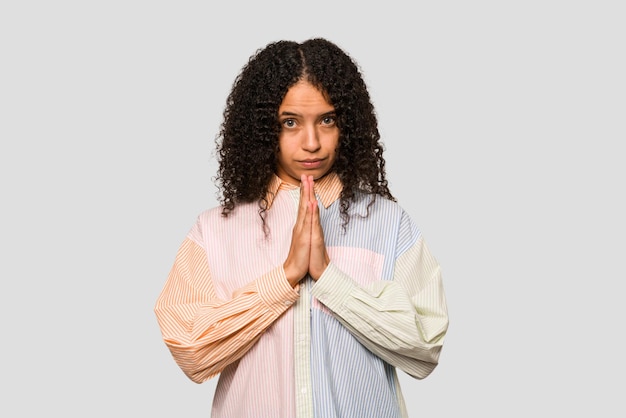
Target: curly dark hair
251, 126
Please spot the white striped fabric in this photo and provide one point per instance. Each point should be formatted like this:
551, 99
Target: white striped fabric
325, 349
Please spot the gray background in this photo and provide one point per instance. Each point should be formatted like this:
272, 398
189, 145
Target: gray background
504, 129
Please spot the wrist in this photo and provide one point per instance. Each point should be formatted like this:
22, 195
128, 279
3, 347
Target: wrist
292, 275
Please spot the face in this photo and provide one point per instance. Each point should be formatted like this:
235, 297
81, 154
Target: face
309, 135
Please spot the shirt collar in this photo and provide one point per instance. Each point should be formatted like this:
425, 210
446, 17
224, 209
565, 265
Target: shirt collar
328, 188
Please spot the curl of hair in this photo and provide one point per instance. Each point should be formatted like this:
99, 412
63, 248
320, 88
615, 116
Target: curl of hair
247, 143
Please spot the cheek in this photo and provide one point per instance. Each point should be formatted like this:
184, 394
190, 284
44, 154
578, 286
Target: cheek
333, 144
284, 155
280, 160
281, 150
285, 148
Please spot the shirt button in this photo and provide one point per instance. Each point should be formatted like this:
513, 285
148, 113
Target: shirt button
303, 390
287, 302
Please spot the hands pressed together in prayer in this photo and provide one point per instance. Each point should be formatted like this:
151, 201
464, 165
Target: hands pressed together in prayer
307, 253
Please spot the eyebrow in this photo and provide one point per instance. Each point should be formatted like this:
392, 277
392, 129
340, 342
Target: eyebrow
329, 113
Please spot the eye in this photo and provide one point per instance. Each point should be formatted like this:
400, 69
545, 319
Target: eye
328, 120
289, 123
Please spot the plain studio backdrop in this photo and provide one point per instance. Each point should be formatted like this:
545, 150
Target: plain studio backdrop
504, 128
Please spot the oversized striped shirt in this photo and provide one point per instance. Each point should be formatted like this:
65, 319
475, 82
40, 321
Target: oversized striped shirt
327, 348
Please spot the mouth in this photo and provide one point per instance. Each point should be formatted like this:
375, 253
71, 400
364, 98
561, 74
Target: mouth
311, 163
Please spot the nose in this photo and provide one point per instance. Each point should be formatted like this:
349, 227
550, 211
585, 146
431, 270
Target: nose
311, 140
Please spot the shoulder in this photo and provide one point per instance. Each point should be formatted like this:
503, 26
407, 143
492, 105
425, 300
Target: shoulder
210, 215
205, 220
387, 211
212, 222
376, 203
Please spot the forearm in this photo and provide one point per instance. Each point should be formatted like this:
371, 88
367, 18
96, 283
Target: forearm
212, 340
204, 333
403, 321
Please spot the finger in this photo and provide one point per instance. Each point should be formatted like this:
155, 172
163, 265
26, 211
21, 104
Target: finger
311, 189
302, 207
296, 264
306, 181
313, 200
316, 227
318, 256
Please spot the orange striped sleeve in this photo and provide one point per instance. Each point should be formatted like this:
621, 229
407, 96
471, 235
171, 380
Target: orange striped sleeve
204, 333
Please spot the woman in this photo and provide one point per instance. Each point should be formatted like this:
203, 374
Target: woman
309, 285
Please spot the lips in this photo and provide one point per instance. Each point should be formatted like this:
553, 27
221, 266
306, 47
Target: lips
312, 163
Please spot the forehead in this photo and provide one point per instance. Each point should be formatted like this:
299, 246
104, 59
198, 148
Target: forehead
305, 94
